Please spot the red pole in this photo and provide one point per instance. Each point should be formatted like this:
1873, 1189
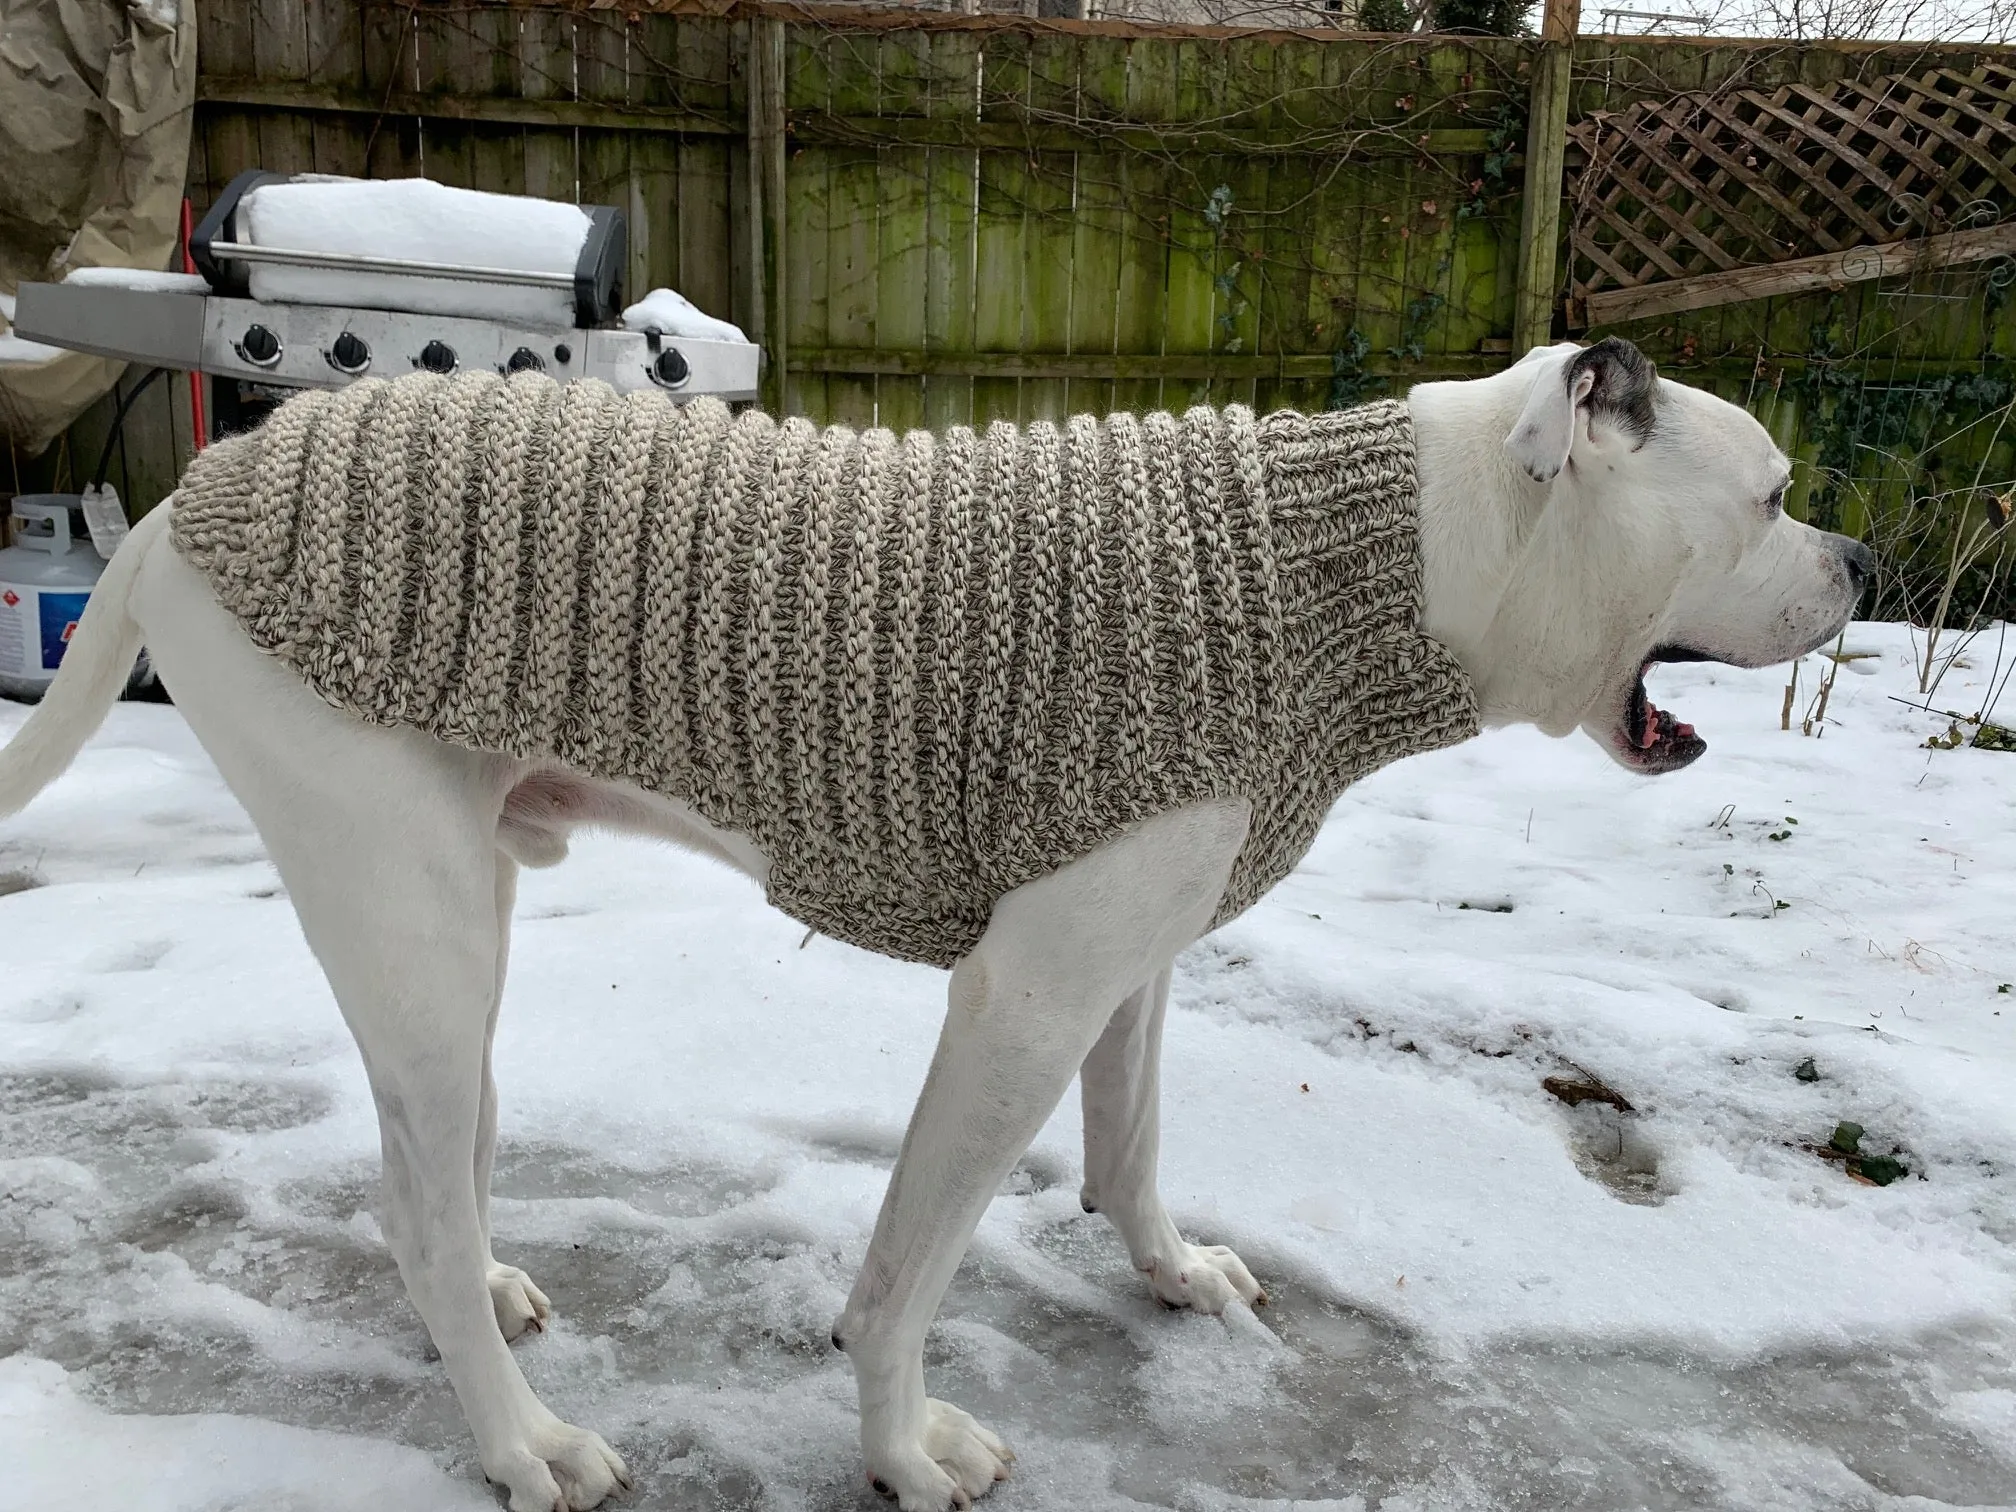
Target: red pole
196, 420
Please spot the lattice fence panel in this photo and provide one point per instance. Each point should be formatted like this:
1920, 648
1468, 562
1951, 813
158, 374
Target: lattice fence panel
1705, 183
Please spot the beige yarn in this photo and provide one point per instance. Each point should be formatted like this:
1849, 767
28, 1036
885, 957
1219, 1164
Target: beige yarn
917, 671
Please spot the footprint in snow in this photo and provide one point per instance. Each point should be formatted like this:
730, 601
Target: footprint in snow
135, 955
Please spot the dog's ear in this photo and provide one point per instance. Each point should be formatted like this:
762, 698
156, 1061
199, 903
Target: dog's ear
1611, 384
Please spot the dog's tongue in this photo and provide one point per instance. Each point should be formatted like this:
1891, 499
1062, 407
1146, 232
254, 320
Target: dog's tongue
1656, 720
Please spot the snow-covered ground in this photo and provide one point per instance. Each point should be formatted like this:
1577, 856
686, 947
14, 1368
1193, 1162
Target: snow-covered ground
1482, 1298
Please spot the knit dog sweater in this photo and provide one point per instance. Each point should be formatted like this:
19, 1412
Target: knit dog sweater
916, 671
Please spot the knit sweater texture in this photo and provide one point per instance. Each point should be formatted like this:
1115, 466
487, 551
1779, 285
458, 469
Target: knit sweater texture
917, 671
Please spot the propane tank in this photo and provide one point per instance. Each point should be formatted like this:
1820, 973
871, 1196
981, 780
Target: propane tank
46, 578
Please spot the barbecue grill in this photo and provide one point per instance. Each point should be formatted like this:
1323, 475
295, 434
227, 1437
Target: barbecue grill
308, 281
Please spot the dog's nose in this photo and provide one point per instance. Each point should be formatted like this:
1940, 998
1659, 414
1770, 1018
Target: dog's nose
1860, 562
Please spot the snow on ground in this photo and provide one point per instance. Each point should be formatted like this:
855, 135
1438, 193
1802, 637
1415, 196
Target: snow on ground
1483, 1300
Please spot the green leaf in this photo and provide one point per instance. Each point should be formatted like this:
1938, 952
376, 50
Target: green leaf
1847, 1137
1806, 1071
1881, 1169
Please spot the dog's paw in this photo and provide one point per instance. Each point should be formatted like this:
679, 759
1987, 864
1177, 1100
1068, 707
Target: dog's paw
520, 1306
956, 1461
1207, 1277
559, 1468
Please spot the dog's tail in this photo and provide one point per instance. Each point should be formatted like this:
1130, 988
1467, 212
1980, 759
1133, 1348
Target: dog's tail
95, 667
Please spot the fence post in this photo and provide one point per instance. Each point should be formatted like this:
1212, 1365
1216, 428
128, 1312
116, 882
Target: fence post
1546, 147
767, 269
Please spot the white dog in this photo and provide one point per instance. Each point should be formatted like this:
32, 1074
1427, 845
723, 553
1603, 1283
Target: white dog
1581, 519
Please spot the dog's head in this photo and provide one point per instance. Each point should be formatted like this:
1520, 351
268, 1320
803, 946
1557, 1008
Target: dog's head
1584, 519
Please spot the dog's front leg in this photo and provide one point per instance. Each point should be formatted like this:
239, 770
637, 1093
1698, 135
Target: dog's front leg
1026, 1005
1121, 1085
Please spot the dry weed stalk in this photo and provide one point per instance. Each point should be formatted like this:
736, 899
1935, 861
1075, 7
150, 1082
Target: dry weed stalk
1986, 536
1814, 721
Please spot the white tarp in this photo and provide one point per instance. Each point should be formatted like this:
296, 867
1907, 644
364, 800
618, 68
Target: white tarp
96, 99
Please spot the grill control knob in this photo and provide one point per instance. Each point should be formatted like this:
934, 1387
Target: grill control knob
259, 346
349, 353
669, 368
438, 357
525, 360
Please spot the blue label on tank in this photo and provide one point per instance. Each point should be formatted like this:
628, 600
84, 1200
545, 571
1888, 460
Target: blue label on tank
60, 613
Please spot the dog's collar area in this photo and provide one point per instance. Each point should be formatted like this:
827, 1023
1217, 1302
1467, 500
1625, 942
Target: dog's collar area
1673, 653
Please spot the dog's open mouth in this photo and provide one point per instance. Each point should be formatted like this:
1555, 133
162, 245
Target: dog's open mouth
1650, 739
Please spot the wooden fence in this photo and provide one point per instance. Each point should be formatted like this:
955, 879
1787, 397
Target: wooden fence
933, 218
980, 219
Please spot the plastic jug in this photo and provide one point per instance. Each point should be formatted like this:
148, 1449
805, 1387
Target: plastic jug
46, 578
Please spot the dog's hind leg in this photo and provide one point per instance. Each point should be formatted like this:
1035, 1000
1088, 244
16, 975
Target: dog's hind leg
1026, 1005
386, 841
520, 1306
1121, 1086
